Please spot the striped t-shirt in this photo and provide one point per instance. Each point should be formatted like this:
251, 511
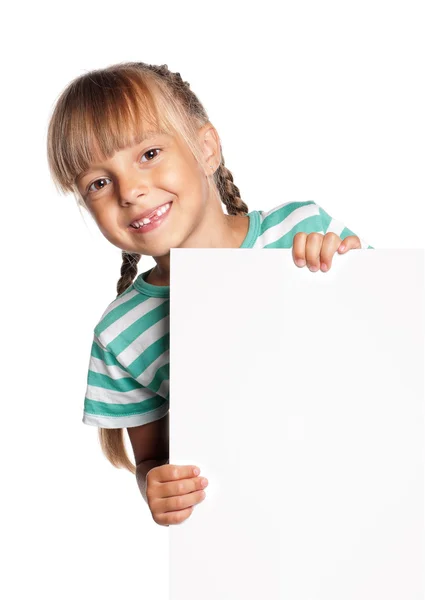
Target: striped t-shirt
128, 376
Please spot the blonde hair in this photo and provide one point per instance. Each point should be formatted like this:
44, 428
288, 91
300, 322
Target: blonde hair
106, 110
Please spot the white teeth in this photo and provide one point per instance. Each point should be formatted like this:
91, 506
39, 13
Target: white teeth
146, 221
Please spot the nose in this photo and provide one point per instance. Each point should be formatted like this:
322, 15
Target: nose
130, 187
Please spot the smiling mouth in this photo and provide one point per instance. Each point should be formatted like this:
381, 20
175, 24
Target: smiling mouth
152, 217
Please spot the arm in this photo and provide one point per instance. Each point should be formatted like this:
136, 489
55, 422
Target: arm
150, 443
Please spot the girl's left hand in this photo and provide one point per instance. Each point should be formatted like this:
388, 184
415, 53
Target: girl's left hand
317, 249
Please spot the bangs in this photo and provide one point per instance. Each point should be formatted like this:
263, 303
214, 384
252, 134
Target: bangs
100, 114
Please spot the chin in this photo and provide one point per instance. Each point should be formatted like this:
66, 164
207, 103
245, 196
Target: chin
156, 251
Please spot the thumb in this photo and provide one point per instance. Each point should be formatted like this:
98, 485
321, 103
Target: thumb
351, 242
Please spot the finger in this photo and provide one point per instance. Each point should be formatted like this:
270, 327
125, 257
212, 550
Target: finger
173, 518
351, 242
312, 250
174, 503
298, 248
174, 472
183, 486
330, 245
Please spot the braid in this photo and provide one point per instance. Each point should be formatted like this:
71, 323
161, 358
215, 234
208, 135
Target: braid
128, 270
174, 78
229, 192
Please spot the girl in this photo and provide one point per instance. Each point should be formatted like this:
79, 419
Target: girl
135, 146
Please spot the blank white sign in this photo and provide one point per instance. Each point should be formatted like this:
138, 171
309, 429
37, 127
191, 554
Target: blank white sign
300, 396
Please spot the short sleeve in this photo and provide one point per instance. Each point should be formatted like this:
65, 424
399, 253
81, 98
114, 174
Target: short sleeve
334, 226
114, 399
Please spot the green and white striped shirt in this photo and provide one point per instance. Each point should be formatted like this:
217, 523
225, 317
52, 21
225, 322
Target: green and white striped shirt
128, 376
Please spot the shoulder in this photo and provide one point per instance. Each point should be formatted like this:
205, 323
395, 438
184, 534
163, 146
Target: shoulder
297, 209
279, 224
128, 317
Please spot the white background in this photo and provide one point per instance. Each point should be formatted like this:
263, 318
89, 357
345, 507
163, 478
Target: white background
312, 101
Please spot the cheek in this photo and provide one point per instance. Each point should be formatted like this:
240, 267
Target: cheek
193, 187
106, 222
172, 177
181, 175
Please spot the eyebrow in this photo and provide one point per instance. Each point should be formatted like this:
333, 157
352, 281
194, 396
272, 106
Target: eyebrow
146, 135
137, 139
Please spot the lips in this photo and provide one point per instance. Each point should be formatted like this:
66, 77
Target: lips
148, 213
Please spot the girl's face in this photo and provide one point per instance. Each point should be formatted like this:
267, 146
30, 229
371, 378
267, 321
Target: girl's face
140, 178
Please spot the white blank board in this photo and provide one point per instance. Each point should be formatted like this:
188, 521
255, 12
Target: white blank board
300, 396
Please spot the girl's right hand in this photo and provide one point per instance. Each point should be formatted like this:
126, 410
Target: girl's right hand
172, 492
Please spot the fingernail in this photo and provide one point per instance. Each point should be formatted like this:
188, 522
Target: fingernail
341, 248
196, 471
300, 262
324, 267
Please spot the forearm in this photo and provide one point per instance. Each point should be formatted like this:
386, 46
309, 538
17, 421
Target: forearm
142, 470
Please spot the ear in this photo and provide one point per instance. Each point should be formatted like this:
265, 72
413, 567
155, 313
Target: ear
209, 142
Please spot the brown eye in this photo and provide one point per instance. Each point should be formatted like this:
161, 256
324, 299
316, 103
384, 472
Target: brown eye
149, 152
97, 180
